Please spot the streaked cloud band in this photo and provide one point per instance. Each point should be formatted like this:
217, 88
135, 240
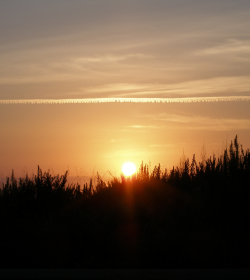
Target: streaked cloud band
128, 100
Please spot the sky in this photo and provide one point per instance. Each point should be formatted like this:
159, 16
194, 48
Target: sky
66, 68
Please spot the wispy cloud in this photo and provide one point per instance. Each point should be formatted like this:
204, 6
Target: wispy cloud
127, 49
109, 58
212, 86
125, 154
117, 88
130, 100
162, 145
232, 46
116, 140
142, 126
203, 123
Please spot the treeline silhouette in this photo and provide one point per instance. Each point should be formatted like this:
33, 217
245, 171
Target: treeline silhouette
193, 216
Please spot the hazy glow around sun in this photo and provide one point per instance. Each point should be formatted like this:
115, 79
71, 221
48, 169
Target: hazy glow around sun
128, 168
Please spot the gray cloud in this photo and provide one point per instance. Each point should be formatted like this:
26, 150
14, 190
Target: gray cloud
156, 46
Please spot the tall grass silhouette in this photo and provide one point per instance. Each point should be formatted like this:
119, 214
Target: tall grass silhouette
193, 216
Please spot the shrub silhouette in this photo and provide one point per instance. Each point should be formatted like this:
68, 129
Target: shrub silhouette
195, 215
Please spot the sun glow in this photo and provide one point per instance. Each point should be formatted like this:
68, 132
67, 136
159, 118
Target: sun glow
128, 168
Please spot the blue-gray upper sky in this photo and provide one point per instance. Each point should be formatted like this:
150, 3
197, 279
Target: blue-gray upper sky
83, 49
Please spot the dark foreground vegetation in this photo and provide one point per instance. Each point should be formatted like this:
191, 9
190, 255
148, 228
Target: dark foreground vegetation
195, 216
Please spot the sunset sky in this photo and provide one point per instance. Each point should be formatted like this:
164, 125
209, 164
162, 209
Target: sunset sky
182, 51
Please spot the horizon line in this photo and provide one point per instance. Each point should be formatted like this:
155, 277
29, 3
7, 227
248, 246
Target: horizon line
126, 100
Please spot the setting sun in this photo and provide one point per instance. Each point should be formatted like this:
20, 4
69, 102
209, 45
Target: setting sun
128, 168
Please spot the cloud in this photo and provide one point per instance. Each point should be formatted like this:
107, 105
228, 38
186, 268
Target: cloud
109, 58
142, 126
130, 100
213, 86
115, 140
202, 123
119, 87
125, 48
232, 46
128, 153
162, 145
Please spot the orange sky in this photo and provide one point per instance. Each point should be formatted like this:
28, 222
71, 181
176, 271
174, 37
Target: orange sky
120, 49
